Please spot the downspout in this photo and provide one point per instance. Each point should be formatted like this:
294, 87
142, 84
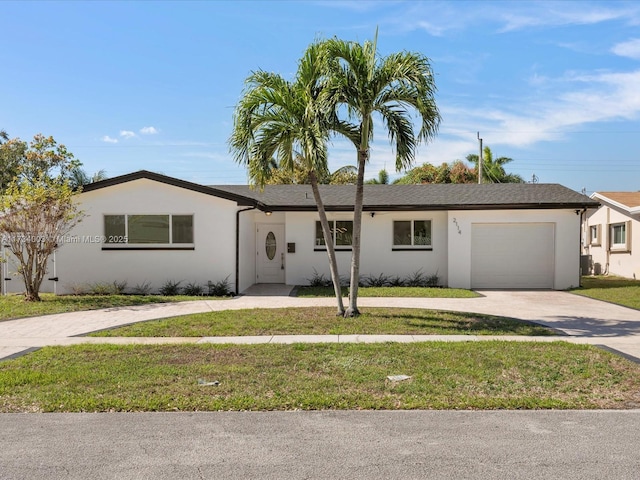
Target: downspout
583, 236
238, 246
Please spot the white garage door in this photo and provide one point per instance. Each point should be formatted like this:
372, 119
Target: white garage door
512, 255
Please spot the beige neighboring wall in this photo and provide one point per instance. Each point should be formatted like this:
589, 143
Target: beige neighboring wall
617, 208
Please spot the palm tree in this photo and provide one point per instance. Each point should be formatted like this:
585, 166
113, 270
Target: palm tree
493, 170
383, 178
79, 177
362, 83
288, 121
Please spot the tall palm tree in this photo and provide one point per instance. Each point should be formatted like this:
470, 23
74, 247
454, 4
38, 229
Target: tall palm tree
493, 169
79, 177
289, 121
383, 178
362, 83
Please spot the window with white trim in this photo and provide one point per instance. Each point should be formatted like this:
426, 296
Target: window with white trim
148, 230
412, 234
619, 234
595, 234
341, 232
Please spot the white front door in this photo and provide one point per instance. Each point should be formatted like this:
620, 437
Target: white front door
270, 253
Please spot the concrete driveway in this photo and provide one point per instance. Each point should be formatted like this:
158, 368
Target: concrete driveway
582, 319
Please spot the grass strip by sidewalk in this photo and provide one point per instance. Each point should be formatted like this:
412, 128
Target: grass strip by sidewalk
422, 292
14, 306
622, 291
470, 375
323, 321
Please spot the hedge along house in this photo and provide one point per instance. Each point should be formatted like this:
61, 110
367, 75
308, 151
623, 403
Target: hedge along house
149, 228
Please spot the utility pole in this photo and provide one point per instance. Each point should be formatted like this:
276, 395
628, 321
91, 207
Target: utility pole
480, 160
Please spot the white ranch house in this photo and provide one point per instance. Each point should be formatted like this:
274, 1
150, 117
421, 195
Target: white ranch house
145, 227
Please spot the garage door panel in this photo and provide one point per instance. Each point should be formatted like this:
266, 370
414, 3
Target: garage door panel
513, 255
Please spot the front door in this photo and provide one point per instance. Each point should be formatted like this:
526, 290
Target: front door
270, 253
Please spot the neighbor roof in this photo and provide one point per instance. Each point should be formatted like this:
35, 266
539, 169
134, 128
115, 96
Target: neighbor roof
629, 201
380, 197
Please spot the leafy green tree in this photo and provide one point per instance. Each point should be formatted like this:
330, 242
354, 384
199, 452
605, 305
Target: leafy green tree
362, 84
493, 169
37, 209
300, 175
288, 121
11, 152
456, 172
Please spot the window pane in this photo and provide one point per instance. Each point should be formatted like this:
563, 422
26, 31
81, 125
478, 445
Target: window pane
148, 228
182, 228
422, 232
114, 230
619, 234
319, 236
344, 233
402, 233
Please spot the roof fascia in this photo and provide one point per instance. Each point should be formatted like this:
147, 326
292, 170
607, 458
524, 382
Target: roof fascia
241, 200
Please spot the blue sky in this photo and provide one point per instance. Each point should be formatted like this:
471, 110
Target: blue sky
152, 85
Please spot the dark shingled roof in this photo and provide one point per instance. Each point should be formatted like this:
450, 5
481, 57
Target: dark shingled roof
417, 197
380, 197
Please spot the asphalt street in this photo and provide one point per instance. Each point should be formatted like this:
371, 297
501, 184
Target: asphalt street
322, 445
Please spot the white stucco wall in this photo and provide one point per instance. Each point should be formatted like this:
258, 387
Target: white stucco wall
377, 256
567, 242
213, 257
624, 264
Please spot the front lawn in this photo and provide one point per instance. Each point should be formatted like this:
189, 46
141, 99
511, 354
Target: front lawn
469, 375
323, 320
14, 306
623, 291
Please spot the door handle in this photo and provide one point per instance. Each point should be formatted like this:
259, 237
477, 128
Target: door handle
282, 261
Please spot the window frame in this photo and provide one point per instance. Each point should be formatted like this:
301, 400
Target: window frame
413, 247
623, 247
333, 227
596, 240
108, 244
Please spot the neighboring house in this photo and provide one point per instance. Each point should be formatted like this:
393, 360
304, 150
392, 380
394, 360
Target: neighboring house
145, 227
610, 243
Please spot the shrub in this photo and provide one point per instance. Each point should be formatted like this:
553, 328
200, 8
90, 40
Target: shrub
170, 288
395, 281
371, 281
141, 288
319, 280
221, 288
104, 288
193, 289
419, 279
416, 279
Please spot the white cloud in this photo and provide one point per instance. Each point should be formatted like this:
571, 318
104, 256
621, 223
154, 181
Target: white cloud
127, 133
148, 131
108, 139
629, 49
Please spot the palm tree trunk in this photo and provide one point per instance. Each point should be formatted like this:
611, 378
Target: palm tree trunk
352, 310
328, 240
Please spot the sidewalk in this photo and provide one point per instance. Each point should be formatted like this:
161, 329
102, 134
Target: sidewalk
583, 320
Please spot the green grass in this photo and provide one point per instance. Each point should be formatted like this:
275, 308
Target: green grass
323, 320
622, 291
425, 292
13, 306
474, 375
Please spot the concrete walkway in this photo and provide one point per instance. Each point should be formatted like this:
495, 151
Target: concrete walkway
583, 320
